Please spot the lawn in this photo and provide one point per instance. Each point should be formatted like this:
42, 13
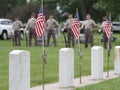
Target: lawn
112, 84
51, 68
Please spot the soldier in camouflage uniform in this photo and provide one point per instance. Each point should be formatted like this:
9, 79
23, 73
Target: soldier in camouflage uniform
51, 26
31, 29
88, 25
67, 26
17, 34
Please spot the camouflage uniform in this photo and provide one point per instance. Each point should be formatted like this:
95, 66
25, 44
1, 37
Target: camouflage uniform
31, 28
51, 25
88, 26
17, 34
70, 34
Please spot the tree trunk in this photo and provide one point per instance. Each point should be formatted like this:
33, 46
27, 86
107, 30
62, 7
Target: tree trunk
83, 8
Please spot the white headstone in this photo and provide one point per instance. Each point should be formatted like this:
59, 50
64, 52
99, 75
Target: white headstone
117, 60
19, 70
66, 67
97, 62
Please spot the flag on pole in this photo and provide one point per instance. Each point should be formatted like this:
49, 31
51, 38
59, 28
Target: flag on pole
107, 28
76, 26
40, 25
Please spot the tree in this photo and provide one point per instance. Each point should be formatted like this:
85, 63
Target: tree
109, 6
7, 5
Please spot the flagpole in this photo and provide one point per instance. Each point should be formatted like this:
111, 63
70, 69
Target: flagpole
80, 61
79, 53
43, 66
43, 59
108, 51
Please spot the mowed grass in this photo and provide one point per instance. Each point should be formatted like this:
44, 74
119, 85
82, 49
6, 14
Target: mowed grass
51, 68
113, 84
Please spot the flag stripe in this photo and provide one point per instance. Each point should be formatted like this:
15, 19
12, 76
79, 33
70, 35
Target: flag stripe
40, 25
76, 28
107, 29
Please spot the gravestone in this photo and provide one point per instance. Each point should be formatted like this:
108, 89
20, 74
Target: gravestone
19, 70
66, 67
97, 62
117, 60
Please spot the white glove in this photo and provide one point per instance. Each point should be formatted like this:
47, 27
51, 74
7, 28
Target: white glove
62, 29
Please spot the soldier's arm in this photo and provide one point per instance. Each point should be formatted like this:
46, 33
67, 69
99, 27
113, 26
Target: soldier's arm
65, 25
27, 25
21, 25
82, 26
56, 23
94, 24
47, 22
13, 26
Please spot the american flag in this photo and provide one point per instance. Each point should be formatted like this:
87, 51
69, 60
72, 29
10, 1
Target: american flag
76, 26
107, 28
40, 25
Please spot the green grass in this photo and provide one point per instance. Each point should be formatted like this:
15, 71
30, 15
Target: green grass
112, 84
51, 68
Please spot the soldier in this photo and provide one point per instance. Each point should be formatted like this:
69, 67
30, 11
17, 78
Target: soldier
67, 26
88, 25
17, 24
104, 34
31, 29
51, 25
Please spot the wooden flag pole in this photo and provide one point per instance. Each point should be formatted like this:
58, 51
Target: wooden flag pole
43, 66
79, 53
80, 57
108, 51
43, 58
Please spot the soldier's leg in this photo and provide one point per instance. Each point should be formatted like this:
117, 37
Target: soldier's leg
30, 37
48, 35
73, 42
26, 37
35, 37
91, 39
15, 38
19, 38
54, 37
86, 39
69, 39
110, 43
105, 41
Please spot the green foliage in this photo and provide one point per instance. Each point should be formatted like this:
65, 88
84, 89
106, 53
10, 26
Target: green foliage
24, 11
110, 6
7, 5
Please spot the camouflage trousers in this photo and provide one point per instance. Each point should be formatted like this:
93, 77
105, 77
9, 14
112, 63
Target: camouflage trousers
89, 37
32, 34
49, 33
17, 37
